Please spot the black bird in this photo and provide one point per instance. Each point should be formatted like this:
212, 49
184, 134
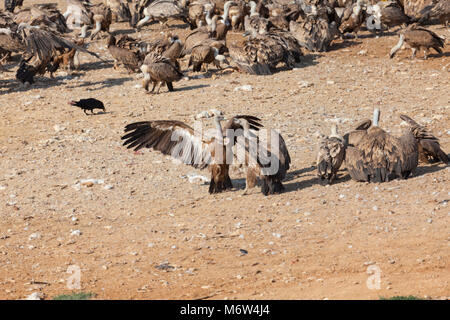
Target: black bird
88, 104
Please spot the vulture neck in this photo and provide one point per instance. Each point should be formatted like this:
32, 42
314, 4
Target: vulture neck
219, 131
208, 17
376, 117
226, 10
397, 46
253, 9
334, 132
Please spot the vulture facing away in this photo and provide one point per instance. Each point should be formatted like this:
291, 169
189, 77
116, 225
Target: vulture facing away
381, 157
131, 60
429, 147
160, 70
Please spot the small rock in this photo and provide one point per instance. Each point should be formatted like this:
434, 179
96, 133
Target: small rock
76, 233
246, 87
34, 236
35, 296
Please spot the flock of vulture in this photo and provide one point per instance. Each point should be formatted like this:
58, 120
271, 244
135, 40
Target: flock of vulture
273, 32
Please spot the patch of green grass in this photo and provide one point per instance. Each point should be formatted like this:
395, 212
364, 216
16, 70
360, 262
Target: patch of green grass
75, 296
401, 298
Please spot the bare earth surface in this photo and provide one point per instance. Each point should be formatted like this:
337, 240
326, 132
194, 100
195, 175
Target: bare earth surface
311, 242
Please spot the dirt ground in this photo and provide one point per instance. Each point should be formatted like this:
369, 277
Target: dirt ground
146, 232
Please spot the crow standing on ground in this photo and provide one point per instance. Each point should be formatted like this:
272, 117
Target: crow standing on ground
88, 104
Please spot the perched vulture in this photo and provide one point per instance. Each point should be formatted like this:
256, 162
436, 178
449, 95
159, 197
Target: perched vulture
131, 60
381, 157
429, 147
237, 10
260, 55
314, 33
204, 54
418, 37
352, 19
388, 14
439, 10
120, 10
102, 18
43, 15
330, 155
162, 10
160, 70
199, 36
10, 5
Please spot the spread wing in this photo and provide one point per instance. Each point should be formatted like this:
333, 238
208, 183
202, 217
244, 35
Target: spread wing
44, 43
169, 137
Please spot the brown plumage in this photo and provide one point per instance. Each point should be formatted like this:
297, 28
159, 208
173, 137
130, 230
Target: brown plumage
381, 157
173, 52
198, 36
418, 37
41, 48
206, 53
196, 12
330, 155
314, 33
429, 147
392, 14
160, 70
237, 10
260, 55
43, 15
264, 157
130, 59
120, 11
439, 10
102, 18
352, 19
353, 137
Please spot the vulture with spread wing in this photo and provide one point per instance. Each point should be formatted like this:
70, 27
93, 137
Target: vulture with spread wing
182, 142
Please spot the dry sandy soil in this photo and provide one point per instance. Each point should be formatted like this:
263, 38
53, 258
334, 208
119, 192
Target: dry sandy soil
311, 242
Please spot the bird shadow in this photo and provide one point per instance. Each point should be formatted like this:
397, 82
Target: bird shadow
98, 65
107, 83
426, 169
187, 88
13, 85
343, 44
372, 35
308, 60
123, 31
